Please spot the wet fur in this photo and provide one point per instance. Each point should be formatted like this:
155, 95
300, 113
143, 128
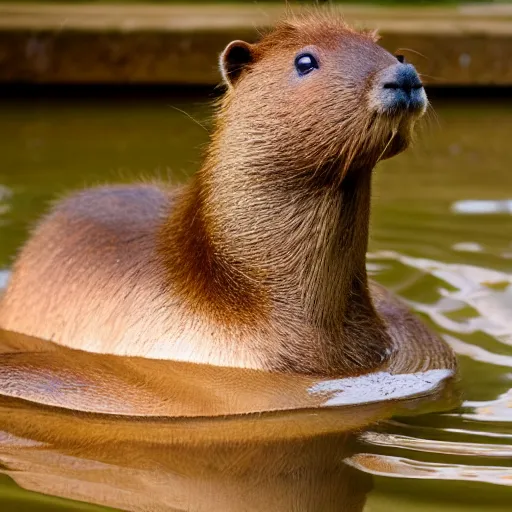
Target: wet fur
260, 260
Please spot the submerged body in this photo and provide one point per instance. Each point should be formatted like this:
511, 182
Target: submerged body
259, 262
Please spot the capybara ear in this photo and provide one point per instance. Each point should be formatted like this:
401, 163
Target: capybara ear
234, 59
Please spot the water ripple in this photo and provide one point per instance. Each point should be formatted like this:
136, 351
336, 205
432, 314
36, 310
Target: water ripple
477, 353
401, 467
481, 207
435, 446
485, 293
469, 300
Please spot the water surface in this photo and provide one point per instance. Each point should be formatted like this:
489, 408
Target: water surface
440, 238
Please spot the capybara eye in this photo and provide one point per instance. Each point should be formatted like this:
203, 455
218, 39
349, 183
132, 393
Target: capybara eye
305, 63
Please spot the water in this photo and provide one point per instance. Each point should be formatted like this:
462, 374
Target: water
440, 238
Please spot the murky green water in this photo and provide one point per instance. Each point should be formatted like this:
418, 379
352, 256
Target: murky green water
441, 238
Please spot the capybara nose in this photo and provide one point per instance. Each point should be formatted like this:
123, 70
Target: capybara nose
401, 89
404, 77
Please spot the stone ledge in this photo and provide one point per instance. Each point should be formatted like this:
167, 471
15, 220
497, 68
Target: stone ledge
178, 44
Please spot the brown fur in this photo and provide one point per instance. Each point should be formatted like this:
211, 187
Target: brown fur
258, 262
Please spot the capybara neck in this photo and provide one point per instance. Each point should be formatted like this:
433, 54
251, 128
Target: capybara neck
281, 252
270, 238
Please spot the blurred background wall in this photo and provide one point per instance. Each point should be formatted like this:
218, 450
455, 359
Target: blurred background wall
171, 42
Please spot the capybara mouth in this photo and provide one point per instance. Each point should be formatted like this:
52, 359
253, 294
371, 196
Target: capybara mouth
388, 134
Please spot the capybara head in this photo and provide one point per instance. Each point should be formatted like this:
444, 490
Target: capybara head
317, 97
